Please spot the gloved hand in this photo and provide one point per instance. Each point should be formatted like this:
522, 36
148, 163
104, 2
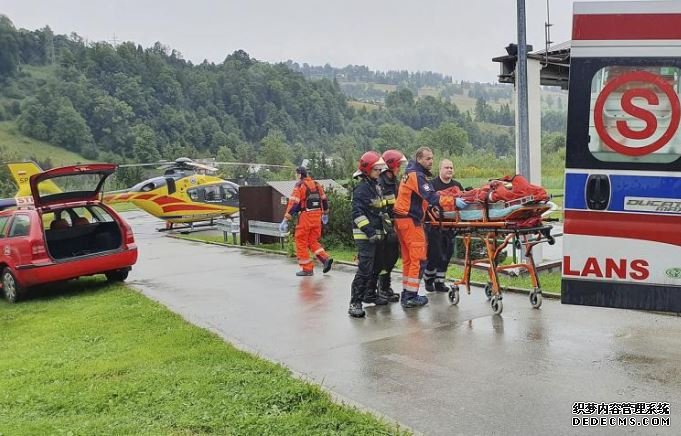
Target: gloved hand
375, 238
325, 219
460, 204
283, 227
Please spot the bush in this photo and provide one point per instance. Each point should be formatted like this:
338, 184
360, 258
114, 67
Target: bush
339, 230
338, 233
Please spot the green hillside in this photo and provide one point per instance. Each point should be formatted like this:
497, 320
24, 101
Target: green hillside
16, 146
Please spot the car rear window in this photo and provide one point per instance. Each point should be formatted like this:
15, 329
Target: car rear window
76, 216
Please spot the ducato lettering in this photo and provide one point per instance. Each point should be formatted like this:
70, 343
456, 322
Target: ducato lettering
608, 268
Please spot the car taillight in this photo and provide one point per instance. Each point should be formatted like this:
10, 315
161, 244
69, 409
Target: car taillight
129, 236
38, 250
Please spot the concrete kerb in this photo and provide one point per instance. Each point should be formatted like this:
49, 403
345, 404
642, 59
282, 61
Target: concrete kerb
342, 262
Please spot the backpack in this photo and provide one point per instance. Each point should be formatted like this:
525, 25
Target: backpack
313, 201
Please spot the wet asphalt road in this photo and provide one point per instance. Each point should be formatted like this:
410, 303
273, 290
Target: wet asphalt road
442, 369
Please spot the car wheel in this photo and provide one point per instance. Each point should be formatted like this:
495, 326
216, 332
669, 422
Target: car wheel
117, 276
10, 286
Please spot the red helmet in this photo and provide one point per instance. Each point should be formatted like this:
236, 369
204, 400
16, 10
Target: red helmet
367, 162
393, 159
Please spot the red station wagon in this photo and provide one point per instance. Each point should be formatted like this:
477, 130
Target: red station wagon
66, 234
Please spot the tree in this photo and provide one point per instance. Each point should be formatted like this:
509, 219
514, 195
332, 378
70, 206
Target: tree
71, 131
274, 150
449, 139
401, 97
145, 148
482, 110
9, 49
394, 136
110, 125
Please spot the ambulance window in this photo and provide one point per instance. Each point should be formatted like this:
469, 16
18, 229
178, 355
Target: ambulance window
635, 114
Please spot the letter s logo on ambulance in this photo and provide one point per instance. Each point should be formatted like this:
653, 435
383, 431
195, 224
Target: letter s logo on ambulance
608, 268
645, 80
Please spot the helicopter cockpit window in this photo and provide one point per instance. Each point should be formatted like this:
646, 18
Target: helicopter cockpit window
228, 192
213, 194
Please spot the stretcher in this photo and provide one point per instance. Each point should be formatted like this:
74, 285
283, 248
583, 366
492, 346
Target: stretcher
498, 224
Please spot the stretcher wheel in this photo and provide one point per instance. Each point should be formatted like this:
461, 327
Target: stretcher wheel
454, 295
497, 305
536, 299
488, 290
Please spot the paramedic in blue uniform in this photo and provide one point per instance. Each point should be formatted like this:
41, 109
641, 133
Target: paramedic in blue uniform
440, 241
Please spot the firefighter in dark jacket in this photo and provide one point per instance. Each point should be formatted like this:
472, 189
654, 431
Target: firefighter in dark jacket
367, 221
388, 250
440, 241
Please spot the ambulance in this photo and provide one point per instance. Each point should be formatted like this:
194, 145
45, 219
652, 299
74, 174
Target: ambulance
622, 233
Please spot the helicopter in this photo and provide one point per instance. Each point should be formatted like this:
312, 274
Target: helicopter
184, 194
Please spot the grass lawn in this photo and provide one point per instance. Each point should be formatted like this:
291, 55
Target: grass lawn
92, 358
123, 207
549, 281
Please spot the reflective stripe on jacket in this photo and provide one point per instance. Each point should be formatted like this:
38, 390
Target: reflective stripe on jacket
367, 207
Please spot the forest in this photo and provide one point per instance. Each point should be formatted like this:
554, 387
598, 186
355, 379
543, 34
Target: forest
128, 103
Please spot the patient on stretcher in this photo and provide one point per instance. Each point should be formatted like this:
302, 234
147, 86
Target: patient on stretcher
499, 200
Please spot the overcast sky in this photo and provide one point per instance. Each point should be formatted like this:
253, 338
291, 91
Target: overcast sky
455, 37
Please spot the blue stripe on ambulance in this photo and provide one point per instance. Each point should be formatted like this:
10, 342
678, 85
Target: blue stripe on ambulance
622, 186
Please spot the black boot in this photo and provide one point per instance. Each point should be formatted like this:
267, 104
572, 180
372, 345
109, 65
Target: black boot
327, 265
374, 298
430, 285
384, 289
355, 310
411, 299
441, 287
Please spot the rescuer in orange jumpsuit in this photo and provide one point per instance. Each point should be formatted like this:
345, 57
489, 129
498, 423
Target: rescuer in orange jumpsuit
414, 195
309, 199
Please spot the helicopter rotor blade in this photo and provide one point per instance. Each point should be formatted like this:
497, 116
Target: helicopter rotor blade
251, 163
201, 166
147, 164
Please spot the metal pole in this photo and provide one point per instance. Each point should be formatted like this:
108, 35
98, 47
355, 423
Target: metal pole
523, 147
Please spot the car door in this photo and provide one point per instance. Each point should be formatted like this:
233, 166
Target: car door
4, 245
16, 244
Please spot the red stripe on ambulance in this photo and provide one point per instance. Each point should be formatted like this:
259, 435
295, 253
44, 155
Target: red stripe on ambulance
646, 227
626, 26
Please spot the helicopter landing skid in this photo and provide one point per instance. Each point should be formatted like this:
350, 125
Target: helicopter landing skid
187, 228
